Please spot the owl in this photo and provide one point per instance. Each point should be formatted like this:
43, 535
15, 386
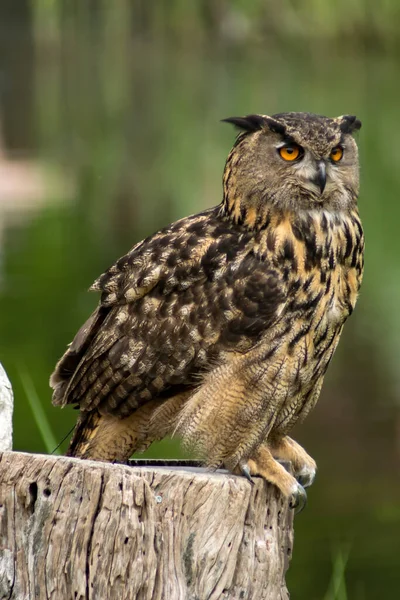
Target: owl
220, 327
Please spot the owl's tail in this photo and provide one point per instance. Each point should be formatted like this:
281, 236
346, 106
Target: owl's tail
83, 442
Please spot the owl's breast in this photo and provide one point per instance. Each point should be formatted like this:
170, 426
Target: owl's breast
338, 302
324, 279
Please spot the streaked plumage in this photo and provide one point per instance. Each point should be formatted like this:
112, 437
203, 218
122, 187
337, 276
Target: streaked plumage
221, 326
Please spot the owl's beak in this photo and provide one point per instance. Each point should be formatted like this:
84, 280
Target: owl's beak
320, 177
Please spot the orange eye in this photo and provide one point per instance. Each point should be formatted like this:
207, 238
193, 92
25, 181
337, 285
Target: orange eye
336, 153
289, 152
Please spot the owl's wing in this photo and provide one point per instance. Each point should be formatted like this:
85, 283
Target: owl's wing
169, 309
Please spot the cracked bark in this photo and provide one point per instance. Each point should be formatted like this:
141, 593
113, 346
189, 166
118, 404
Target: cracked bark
72, 529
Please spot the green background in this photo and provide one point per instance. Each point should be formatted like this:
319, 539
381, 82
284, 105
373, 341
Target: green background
110, 110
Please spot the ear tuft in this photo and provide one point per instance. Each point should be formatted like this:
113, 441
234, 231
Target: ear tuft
349, 123
275, 126
250, 123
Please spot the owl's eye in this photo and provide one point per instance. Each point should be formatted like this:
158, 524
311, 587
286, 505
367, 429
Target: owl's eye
336, 154
290, 152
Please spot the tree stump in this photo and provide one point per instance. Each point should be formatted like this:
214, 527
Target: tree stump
76, 529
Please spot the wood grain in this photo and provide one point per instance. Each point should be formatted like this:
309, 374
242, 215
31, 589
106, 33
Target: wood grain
75, 529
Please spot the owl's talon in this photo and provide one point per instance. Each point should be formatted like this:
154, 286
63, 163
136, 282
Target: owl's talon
306, 479
245, 470
299, 499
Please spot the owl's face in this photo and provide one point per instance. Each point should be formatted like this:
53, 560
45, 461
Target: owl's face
297, 160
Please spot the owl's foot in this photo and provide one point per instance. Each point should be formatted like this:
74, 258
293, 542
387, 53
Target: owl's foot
303, 465
262, 463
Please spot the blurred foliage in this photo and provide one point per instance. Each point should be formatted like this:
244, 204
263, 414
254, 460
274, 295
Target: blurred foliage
233, 21
123, 100
337, 586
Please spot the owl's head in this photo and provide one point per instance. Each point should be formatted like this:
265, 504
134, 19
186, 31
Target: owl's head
293, 161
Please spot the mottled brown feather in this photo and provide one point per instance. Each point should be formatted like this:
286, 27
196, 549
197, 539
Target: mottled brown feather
219, 297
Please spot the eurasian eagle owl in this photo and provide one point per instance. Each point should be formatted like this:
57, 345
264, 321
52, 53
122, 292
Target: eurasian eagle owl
220, 327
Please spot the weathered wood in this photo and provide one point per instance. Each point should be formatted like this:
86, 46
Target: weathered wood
74, 529
6, 411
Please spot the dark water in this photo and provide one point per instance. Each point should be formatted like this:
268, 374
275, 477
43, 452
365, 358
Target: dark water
110, 130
